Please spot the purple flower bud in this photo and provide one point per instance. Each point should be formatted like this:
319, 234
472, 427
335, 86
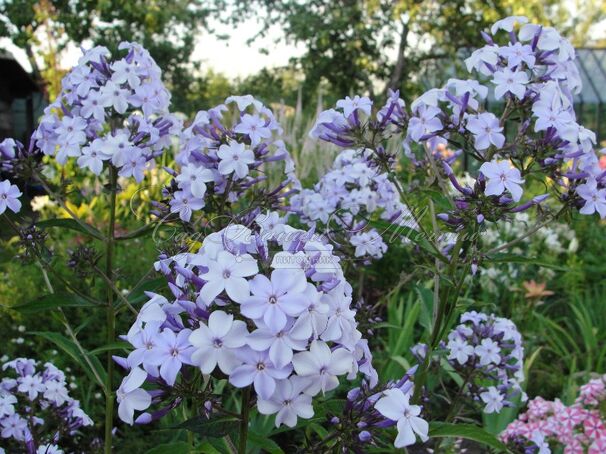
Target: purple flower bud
364, 436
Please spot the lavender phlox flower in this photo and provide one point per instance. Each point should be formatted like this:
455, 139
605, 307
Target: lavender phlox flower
488, 351
109, 112
35, 407
287, 330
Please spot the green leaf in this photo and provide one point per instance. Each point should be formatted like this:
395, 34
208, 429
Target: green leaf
111, 347
148, 229
403, 230
265, 443
137, 295
216, 446
72, 350
514, 258
71, 224
52, 301
178, 447
467, 431
212, 428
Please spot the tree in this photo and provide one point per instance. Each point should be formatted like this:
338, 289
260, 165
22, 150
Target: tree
347, 42
167, 28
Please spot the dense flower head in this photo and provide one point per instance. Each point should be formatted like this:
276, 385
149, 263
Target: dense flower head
35, 407
487, 351
492, 197
266, 306
353, 120
227, 151
352, 192
532, 69
110, 111
579, 427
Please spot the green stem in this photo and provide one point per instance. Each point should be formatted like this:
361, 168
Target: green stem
442, 313
244, 414
111, 315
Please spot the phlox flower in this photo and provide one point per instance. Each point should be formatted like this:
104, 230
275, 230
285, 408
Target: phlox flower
14, 426
6, 404
32, 385
184, 204
279, 343
395, 405
256, 128
92, 159
288, 401
508, 81
488, 352
322, 366
493, 400
56, 392
235, 158
460, 350
516, 53
227, 273
131, 397
193, 178
170, 353
368, 244
501, 175
507, 23
486, 130
214, 344
350, 105
595, 199
259, 370
273, 300
9, 197
424, 122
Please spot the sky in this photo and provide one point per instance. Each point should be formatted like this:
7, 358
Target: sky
232, 57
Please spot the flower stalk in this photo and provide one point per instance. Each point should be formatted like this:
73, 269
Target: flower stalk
111, 315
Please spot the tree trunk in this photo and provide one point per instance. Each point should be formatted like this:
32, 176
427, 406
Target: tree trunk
395, 80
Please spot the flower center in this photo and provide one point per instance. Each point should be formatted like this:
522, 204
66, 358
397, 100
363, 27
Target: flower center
273, 299
226, 274
217, 343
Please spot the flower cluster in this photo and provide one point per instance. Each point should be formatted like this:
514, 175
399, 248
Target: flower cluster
36, 411
487, 352
350, 194
535, 75
267, 307
352, 124
578, 428
369, 411
109, 111
226, 153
